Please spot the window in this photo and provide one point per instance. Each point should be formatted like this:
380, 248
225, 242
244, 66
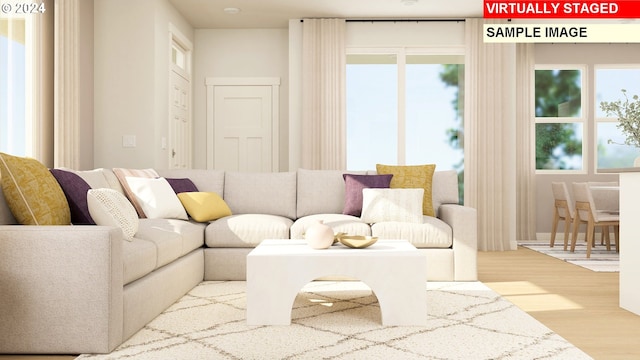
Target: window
13, 89
609, 82
560, 119
405, 107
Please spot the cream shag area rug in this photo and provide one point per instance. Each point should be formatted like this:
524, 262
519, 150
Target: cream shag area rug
341, 320
601, 260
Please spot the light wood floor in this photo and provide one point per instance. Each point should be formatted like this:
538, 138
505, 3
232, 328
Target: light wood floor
578, 304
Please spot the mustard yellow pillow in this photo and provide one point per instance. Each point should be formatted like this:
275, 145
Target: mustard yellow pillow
412, 176
204, 206
32, 192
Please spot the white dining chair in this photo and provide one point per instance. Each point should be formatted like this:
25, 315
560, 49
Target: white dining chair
586, 212
563, 209
606, 197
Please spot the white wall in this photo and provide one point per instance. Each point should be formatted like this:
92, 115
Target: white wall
131, 72
239, 53
405, 33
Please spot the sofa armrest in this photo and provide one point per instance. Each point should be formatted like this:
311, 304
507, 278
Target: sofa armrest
464, 223
61, 289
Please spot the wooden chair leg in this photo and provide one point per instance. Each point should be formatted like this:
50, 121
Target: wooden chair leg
590, 236
605, 235
574, 237
567, 227
554, 227
616, 236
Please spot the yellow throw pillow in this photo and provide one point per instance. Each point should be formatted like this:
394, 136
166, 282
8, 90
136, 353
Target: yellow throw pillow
32, 192
204, 206
412, 176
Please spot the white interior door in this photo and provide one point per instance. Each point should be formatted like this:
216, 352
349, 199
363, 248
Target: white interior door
179, 101
243, 115
180, 131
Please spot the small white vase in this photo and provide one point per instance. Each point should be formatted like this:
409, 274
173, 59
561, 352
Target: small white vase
319, 236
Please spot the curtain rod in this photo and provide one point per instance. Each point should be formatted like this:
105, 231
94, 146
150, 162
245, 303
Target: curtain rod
398, 20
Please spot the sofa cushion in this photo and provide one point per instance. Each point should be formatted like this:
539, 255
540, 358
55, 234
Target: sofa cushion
75, 190
139, 257
404, 205
321, 191
412, 176
340, 223
6, 217
445, 188
261, 193
173, 238
99, 178
32, 193
122, 173
432, 233
246, 230
204, 206
156, 198
110, 208
354, 184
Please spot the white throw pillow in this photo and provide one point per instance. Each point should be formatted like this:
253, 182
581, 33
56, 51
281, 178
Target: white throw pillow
157, 198
404, 205
108, 207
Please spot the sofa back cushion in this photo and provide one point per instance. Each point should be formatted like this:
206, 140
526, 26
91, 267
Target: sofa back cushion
445, 188
100, 178
321, 191
261, 193
6, 217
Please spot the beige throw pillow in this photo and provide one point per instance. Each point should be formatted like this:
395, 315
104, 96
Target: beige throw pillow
110, 208
122, 174
156, 198
381, 205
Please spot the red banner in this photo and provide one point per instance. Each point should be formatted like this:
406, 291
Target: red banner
518, 9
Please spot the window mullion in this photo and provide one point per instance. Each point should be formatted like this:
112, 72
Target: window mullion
402, 124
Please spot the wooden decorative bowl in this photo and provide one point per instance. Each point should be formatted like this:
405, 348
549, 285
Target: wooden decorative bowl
357, 241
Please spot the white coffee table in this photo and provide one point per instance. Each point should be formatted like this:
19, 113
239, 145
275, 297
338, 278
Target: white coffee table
393, 269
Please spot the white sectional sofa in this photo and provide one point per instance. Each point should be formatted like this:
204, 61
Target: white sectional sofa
84, 289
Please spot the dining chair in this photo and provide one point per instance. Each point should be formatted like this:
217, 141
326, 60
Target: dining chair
586, 212
563, 209
605, 197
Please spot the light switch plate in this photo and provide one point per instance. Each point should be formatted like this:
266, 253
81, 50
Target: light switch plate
128, 141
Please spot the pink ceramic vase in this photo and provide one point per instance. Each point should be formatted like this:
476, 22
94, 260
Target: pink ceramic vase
319, 236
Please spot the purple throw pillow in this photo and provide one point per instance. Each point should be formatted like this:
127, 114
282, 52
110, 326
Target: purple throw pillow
182, 185
353, 190
75, 190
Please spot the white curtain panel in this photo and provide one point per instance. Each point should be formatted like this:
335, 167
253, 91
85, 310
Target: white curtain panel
525, 134
490, 128
66, 85
323, 94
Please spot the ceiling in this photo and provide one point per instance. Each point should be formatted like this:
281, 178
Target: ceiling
258, 14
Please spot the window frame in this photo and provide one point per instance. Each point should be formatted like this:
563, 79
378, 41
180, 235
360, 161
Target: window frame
582, 119
401, 54
596, 105
36, 131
